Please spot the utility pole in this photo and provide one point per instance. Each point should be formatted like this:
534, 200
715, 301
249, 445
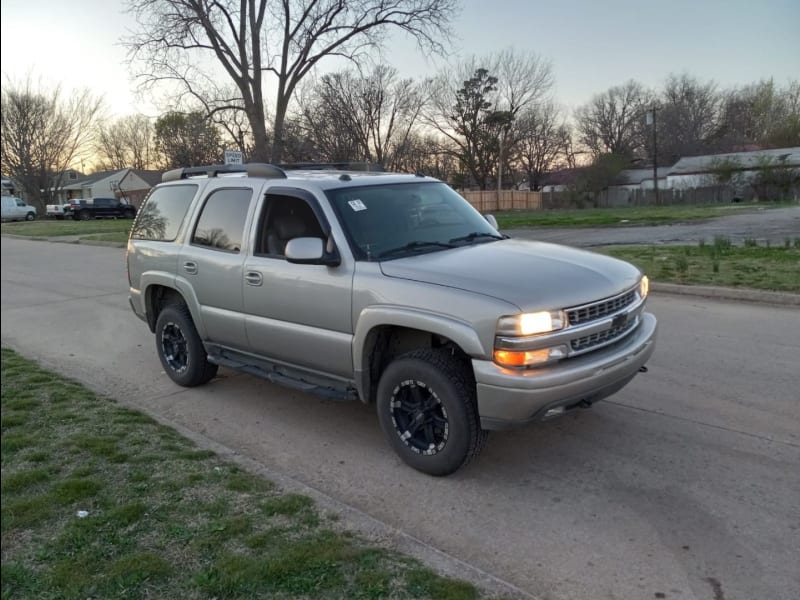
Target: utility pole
651, 116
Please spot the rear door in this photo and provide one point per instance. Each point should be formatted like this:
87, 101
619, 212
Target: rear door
211, 262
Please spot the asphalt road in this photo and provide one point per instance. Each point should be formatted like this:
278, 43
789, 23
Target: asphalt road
772, 225
684, 485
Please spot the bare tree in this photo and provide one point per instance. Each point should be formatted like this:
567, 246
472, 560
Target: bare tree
688, 115
370, 115
475, 105
326, 126
287, 38
542, 141
44, 134
186, 140
611, 122
126, 142
429, 155
761, 113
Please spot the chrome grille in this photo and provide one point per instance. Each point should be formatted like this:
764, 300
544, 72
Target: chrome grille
601, 337
598, 310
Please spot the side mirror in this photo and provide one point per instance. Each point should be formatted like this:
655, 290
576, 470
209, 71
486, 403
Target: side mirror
309, 251
492, 221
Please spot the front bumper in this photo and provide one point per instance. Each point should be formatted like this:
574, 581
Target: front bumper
508, 398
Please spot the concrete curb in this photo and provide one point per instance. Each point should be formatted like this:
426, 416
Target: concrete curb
724, 293
66, 239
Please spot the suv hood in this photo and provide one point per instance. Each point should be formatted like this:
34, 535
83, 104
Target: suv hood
531, 275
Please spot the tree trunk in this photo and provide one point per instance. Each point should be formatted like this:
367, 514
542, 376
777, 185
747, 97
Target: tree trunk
277, 133
259, 128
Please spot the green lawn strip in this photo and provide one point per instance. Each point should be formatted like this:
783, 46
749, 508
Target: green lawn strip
635, 215
47, 228
165, 519
720, 263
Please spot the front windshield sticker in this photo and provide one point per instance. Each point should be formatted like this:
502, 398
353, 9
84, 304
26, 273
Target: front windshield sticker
357, 205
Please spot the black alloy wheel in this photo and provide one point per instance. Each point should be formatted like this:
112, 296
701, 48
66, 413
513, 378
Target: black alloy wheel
173, 346
428, 411
419, 417
180, 348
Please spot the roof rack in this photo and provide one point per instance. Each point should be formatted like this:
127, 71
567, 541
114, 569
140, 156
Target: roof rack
338, 166
263, 170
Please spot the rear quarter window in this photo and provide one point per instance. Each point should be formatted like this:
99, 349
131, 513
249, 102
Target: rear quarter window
222, 220
163, 212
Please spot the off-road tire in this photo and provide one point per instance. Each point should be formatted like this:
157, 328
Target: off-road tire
444, 383
180, 348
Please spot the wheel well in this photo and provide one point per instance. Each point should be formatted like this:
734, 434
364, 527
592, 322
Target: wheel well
159, 296
385, 343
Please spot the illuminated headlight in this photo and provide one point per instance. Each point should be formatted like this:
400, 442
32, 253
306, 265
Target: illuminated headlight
644, 287
534, 323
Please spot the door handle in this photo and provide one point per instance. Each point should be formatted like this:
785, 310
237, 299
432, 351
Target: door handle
190, 267
253, 278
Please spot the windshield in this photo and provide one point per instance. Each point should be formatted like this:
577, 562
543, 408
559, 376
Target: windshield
383, 222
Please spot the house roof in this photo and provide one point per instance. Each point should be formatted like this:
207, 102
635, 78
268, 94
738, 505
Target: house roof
562, 177
637, 176
95, 178
789, 157
151, 177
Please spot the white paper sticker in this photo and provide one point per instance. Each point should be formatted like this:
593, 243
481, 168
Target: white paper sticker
357, 205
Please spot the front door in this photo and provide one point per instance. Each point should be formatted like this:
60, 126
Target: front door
298, 314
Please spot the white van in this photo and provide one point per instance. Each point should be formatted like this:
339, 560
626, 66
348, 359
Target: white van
15, 209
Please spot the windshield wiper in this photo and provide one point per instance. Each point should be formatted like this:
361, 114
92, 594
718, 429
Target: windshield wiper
471, 237
413, 246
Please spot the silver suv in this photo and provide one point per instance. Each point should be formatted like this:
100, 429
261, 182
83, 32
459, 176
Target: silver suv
386, 288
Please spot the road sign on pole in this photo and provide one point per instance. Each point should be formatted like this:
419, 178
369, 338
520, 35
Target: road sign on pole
233, 157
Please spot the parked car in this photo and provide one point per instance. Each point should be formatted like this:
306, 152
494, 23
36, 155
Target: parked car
386, 288
15, 209
59, 211
102, 208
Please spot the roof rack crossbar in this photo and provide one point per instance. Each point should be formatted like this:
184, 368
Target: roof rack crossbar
263, 170
339, 166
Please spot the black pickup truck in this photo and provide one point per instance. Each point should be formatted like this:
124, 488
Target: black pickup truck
98, 208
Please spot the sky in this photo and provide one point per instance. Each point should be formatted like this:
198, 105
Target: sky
592, 44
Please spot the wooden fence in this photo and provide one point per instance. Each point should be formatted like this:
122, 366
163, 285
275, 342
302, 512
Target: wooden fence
491, 200
488, 200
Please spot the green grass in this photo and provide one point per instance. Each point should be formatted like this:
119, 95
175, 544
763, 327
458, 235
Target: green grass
719, 263
165, 518
45, 229
637, 215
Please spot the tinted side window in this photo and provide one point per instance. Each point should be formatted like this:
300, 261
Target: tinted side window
221, 224
163, 212
102, 202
